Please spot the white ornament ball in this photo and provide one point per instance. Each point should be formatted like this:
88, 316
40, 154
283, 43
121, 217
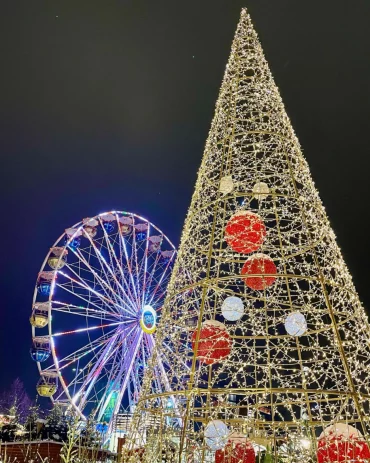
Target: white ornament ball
261, 190
216, 434
232, 308
226, 184
296, 324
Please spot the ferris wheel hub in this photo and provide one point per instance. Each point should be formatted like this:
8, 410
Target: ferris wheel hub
148, 319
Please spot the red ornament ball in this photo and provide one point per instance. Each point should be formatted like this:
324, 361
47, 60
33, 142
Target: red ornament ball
259, 264
245, 232
236, 451
342, 443
334, 450
214, 342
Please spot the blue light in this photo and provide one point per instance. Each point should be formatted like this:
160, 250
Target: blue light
44, 288
75, 243
102, 428
140, 236
109, 226
39, 355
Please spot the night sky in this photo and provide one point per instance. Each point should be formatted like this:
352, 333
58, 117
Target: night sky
107, 104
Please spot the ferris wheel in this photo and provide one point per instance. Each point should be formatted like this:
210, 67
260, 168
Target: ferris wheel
95, 308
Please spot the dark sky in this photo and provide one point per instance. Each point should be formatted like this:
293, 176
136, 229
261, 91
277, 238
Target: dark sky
107, 104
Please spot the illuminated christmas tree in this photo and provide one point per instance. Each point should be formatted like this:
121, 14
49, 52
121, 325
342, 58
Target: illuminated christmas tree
270, 343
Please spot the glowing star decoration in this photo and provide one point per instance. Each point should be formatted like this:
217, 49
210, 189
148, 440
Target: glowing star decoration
261, 269
216, 434
245, 232
237, 450
232, 308
226, 184
261, 190
342, 443
214, 342
296, 324
148, 320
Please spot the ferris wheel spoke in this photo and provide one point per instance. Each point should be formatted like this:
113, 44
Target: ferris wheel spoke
115, 378
108, 291
123, 246
125, 372
135, 264
83, 351
124, 261
106, 268
95, 371
144, 272
113, 257
160, 282
79, 379
84, 311
90, 328
152, 271
88, 301
100, 364
81, 284
104, 285
108, 389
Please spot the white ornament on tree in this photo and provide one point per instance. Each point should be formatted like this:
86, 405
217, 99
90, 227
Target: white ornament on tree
216, 434
296, 324
226, 184
232, 308
261, 190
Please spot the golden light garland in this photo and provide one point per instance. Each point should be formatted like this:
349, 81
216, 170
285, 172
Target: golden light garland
294, 356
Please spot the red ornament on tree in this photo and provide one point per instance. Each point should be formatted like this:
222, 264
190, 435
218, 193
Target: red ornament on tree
237, 450
214, 342
342, 443
259, 264
245, 232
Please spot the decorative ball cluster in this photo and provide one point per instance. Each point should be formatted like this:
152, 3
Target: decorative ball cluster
244, 233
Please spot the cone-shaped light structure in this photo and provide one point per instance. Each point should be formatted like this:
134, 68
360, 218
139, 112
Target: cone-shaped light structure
292, 355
